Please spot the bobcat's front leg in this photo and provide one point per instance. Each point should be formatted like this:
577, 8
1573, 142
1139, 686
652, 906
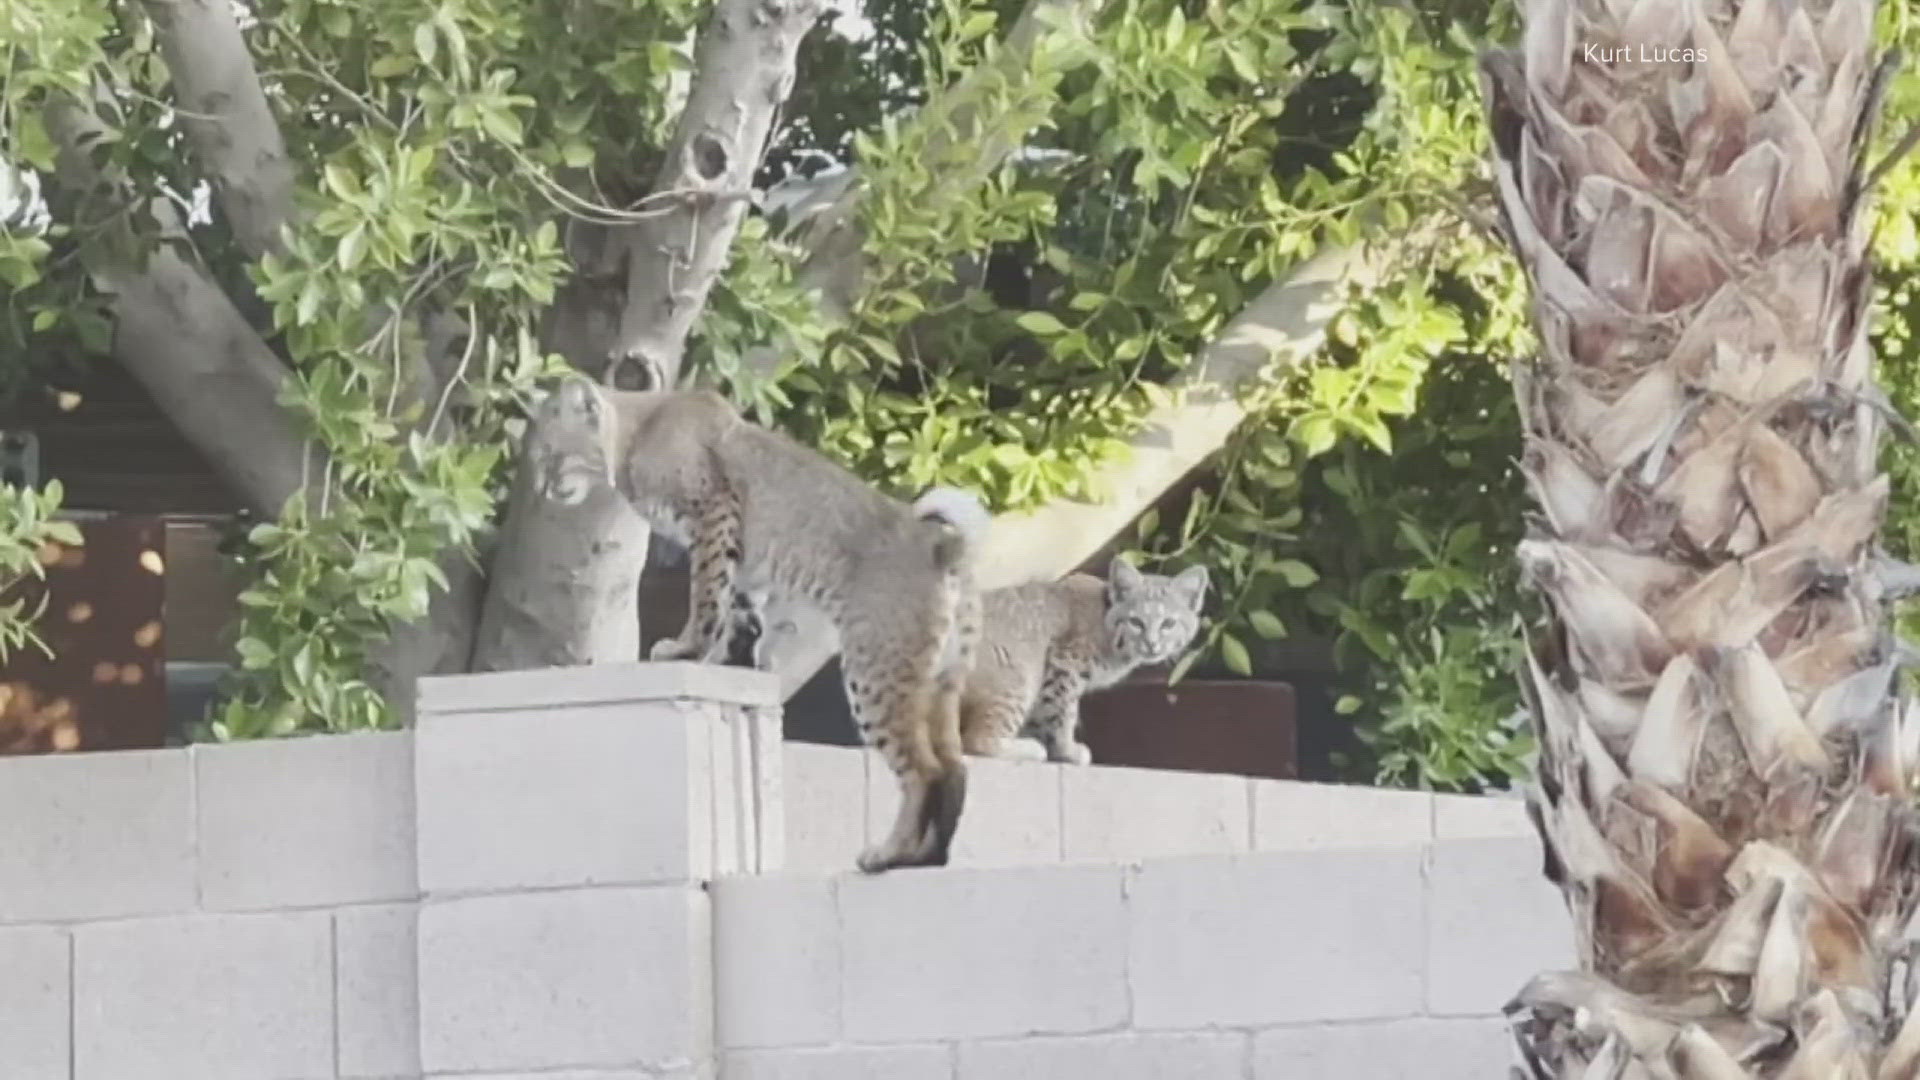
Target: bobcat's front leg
1056, 718
715, 566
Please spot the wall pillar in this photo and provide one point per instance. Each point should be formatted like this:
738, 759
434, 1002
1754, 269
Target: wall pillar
569, 822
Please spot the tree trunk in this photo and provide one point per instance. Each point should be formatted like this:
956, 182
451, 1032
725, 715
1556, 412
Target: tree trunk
564, 584
555, 585
1724, 775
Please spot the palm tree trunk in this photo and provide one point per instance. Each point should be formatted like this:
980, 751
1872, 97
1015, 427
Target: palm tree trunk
1724, 781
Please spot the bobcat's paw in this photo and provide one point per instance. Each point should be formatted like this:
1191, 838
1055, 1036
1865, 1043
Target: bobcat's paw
1076, 754
878, 860
670, 649
1021, 749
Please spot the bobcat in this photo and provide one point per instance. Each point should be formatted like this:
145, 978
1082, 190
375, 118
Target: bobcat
1045, 644
762, 515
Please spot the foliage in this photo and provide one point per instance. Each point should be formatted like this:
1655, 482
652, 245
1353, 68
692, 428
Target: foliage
425, 186
1420, 594
1014, 326
1015, 323
27, 527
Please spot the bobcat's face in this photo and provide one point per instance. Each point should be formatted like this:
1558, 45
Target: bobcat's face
568, 442
1151, 618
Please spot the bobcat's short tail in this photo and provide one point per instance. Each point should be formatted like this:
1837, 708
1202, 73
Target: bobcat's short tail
963, 521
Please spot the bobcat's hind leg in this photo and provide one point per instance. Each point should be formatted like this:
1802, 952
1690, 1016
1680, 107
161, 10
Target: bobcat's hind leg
948, 797
893, 718
715, 557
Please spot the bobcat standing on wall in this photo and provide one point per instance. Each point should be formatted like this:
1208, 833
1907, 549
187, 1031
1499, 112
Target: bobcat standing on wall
1047, 643
762, 514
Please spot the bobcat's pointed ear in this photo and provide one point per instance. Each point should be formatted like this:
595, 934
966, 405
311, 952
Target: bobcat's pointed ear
1192, 583
1122, 578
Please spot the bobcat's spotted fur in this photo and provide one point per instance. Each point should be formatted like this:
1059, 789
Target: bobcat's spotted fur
763, 515
1045, 644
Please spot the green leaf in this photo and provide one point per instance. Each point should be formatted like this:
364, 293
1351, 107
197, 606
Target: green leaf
1148, 524
340, 181
1347, 705
391, 66
1234, 655
503, 125
1297, 574
1040, 323
1267, 625
352, 247
1316, 434
254, 653
426, 44
1180, 669
30, 140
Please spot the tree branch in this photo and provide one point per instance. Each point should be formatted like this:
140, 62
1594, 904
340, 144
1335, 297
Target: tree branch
179, 334
833, 238
563, 586
227, 118
1286, 324
744, 64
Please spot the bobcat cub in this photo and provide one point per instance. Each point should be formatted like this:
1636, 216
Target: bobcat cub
762, 515
1045, 644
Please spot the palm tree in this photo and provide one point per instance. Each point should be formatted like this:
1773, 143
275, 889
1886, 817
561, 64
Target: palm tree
1723, 789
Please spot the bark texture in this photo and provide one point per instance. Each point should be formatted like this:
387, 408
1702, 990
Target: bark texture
564, 585
226, 117
1724, 783
177, 332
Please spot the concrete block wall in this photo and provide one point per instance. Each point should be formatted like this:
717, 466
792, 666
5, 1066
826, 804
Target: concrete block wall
1023, 813
516, 887
1324, 932
619, 873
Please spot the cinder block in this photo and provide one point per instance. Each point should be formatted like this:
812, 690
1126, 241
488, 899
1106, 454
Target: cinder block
595, 978
1118, 815
1417, 1049
377, 999
1012, 818
776, 961
983, 953
306, 822
574, 1074
826, 806
1013, 814
35, 984
1290, 816
594, 795
1478, 817
843, 1063
541, 689
1277, 938
223, 997
1496, 922
110, 836
1211, 1056
747, 790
